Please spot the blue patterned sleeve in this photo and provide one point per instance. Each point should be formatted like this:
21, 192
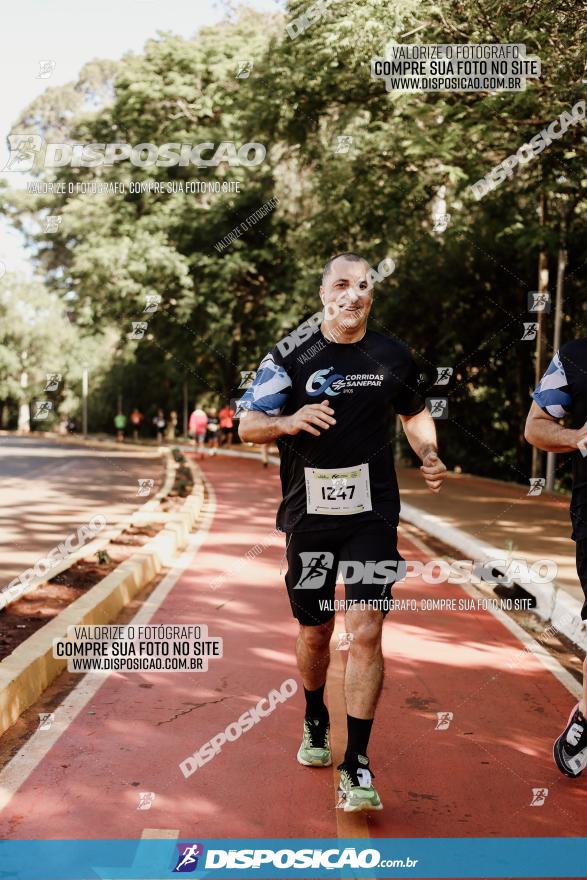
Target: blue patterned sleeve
552, 394
270, 390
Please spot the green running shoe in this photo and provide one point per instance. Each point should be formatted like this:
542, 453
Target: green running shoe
356, 791
315, 748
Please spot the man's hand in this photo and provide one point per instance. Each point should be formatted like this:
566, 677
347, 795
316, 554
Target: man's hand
309, 418
433, 470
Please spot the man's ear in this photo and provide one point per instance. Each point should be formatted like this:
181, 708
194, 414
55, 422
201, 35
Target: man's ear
321, 291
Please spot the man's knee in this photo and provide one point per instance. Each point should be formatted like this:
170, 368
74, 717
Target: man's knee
365, 628
317, 638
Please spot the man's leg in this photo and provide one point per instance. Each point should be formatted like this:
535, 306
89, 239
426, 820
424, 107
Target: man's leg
313, 653
363, 679
316, 622
313, 656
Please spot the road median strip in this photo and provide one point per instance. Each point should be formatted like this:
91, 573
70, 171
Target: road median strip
31, 667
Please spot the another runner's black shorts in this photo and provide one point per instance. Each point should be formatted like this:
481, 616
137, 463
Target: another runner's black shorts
582, 571
368, 558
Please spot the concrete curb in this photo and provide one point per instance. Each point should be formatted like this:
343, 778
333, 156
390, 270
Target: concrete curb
554, 604
31, 667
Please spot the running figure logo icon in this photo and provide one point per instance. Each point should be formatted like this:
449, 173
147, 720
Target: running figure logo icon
146, 799
152, 302
315, 567
443, 720
188, 855
539, 795
53, 380
46, 68
344, 641
537, 484
443, 375
138, 330
538, 301
343, 144
46, 720
437, 407
53, 223
247, 378
23, 150
145, 487
243, 68
42, 409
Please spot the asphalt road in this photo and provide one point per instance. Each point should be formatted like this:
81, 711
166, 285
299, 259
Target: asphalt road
48, 489
461, 746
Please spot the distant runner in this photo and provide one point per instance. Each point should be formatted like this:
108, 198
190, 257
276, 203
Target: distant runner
226, 416
327, 396
120, 425
212, 431
562, 392
197, 428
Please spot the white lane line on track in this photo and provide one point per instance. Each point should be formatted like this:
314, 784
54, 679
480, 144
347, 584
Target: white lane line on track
160, 834
530, 644
36, 748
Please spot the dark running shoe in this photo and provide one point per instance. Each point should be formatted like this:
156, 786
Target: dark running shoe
570, 749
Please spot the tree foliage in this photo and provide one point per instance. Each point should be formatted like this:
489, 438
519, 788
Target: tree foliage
459, 297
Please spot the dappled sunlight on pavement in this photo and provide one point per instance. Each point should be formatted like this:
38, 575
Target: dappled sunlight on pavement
462, 736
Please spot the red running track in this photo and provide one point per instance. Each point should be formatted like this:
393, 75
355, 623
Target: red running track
473, 779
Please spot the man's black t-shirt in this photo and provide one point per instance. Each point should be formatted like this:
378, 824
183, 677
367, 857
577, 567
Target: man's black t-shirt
365, 382
562, 391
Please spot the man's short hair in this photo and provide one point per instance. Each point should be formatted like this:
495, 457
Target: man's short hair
354, 258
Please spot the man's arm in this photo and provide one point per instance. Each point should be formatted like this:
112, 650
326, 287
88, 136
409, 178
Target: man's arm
421, 433
545, 432
257, 427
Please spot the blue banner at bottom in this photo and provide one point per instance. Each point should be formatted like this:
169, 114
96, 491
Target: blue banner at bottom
306, 858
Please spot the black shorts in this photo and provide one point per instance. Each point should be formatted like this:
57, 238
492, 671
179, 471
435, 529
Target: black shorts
369, 564
581, 550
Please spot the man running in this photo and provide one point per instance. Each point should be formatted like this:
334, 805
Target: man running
327, 394
561, 392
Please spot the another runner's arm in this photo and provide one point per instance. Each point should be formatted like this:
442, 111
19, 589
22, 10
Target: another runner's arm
552, 401
264, 402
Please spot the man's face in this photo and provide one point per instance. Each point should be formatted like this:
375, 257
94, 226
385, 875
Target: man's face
346, 285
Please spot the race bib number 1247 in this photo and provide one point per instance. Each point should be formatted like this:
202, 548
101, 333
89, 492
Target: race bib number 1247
338, 492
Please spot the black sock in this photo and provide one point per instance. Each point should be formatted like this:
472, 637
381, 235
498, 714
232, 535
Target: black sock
359, 731
315, 707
